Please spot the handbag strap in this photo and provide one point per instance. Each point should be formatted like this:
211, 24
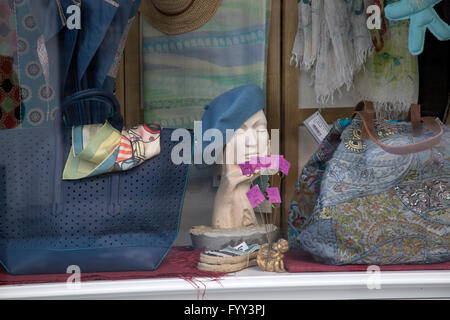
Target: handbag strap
369, 109
413, 117
369, 131
116, 120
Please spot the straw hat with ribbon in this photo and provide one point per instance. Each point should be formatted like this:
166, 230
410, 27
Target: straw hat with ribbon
178, 16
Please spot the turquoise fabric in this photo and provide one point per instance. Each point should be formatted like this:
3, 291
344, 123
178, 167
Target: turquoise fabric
183, 72
422, 17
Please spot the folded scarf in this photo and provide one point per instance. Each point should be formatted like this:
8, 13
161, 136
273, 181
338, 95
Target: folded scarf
182, 73
99, 149
332, 42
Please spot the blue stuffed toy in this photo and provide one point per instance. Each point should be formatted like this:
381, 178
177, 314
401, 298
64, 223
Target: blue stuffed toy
422, 16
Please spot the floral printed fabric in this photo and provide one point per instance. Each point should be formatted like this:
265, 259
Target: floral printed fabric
9, 94
8, 33
371, 207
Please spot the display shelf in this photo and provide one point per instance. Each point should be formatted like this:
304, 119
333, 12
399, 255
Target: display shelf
251, 284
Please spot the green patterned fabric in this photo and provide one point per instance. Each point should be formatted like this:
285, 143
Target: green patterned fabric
390, 77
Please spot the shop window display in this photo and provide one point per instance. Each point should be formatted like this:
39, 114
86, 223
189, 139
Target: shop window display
196, 139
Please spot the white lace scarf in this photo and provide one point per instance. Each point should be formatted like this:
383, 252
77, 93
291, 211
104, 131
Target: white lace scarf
332, 42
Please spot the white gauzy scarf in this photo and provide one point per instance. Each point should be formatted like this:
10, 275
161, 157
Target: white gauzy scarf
332, 42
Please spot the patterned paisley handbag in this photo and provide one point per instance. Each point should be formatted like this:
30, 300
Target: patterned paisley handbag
376, 192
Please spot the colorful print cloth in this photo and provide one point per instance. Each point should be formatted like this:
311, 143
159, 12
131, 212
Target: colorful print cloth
183, 73
390, 77
99, 149
10, 114
357, 204
9, 94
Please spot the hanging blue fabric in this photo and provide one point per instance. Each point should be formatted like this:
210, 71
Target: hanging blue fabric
86, 58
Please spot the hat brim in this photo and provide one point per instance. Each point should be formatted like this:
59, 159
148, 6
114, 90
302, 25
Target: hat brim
199, 12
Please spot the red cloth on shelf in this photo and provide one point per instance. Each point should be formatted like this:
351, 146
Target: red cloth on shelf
300, 261
182, 263
179, 263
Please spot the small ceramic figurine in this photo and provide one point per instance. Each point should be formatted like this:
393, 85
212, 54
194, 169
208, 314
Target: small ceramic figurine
271, 258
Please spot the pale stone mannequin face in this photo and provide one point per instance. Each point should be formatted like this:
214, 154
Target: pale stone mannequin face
231, 206
249, 141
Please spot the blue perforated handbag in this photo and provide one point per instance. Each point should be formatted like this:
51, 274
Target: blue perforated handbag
124, 221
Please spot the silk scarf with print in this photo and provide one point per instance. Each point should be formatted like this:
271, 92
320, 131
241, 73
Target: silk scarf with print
98, 149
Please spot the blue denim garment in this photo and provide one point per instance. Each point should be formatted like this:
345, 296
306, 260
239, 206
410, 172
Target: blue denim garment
104, 57
83, 59
47, 15
97, 18
99, 68
60, 42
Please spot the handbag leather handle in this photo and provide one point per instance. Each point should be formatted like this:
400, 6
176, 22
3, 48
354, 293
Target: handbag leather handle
96, 94
413, 116
368, 129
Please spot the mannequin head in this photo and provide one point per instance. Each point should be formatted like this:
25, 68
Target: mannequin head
231, 206
239, 115
251, 140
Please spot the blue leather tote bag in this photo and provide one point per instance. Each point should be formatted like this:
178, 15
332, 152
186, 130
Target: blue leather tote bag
124, 221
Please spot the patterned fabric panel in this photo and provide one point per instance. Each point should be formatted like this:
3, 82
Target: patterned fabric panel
9, 82
8, 34
39, 101
9, 94
360, 167
380, 229
184, 72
